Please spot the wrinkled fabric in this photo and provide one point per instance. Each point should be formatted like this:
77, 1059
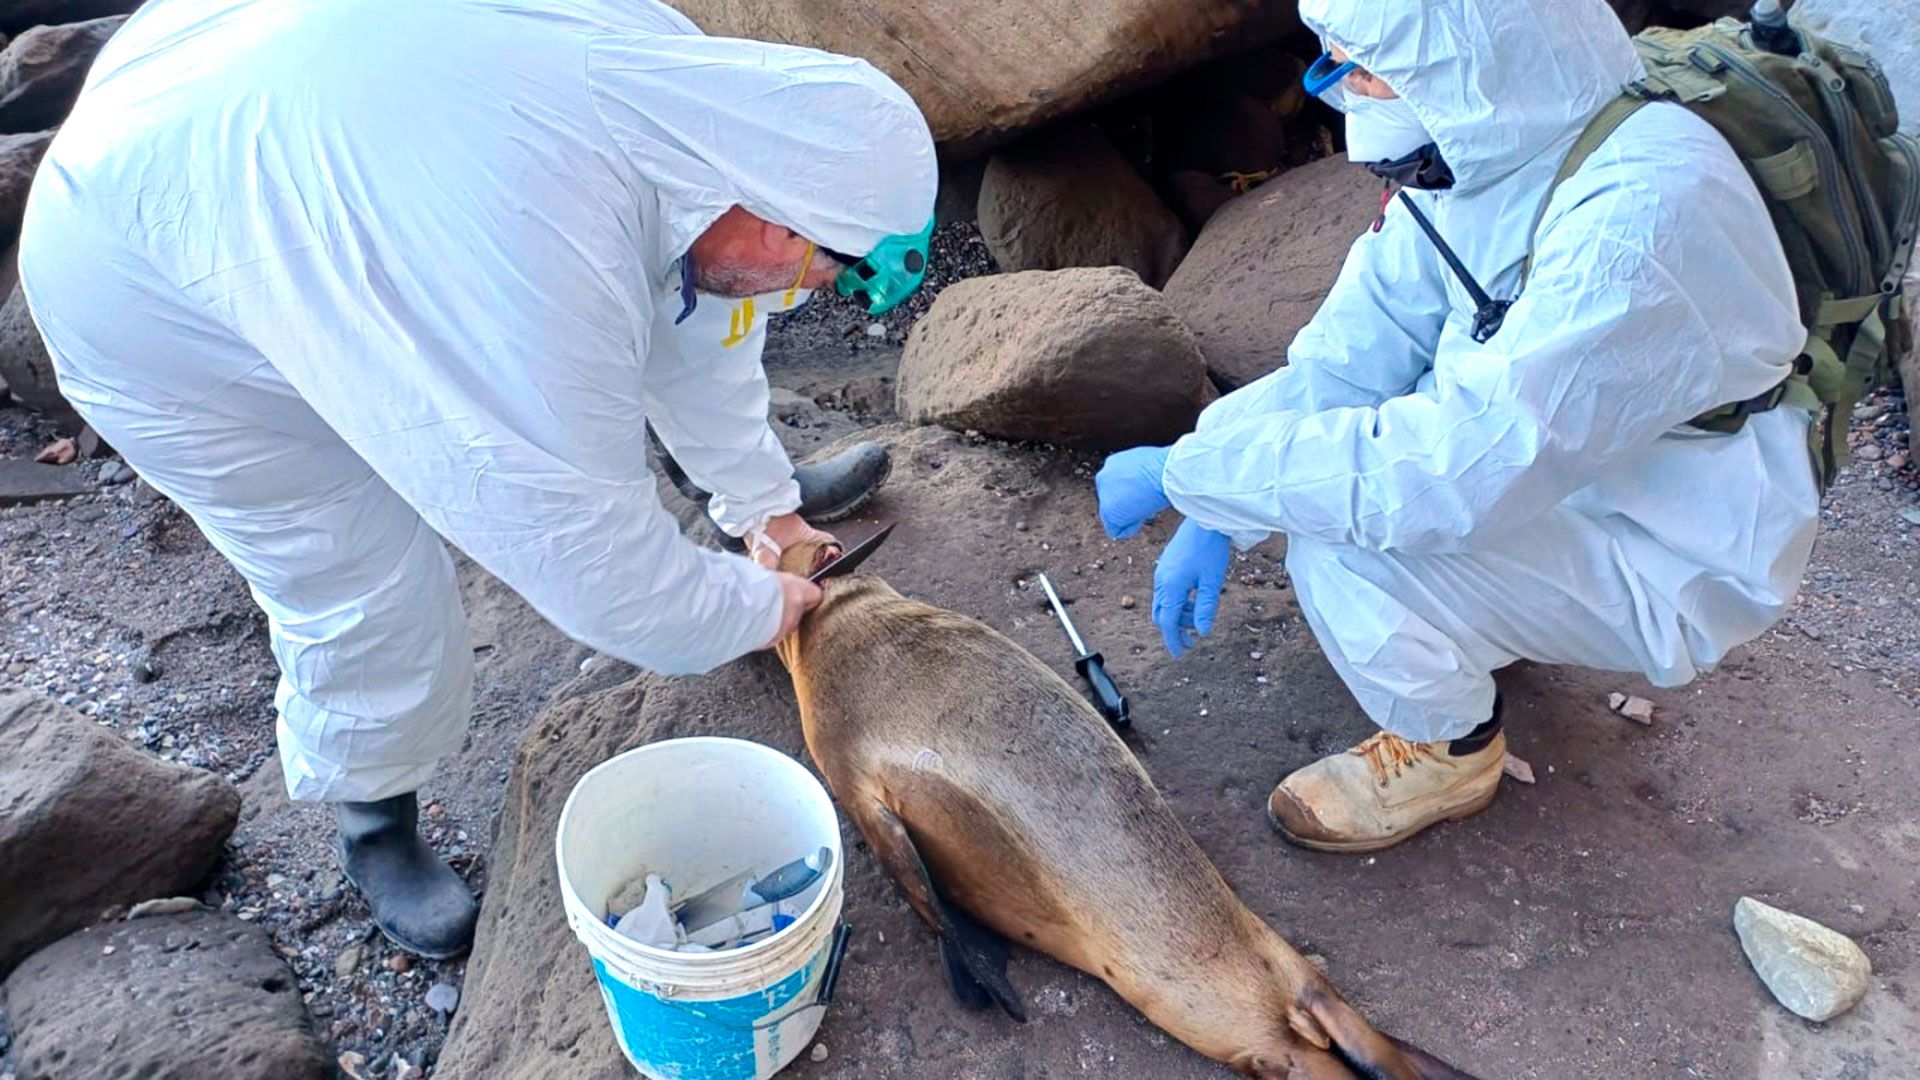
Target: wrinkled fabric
347, 277
1418, 474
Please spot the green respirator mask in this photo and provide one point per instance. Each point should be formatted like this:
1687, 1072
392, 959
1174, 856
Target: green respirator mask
888, 274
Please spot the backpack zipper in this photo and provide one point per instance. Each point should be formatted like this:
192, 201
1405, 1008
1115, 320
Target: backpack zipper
1823, 155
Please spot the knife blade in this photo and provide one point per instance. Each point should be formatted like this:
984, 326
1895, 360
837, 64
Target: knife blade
852, 557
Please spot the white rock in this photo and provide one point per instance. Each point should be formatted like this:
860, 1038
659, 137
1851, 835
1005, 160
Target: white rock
819, 1052
171, 905
1816, 972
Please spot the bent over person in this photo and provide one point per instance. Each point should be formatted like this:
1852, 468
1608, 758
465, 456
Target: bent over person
343, 278
1459, 491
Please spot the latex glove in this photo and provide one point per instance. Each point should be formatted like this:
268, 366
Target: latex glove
1130, 490
1187, 580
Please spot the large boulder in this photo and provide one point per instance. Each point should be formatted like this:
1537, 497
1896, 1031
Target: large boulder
1089, 358
983, 70
42, 70
19, 156
194, 994
18, 15
25, 367
90, 822
1065, 197
1265, 261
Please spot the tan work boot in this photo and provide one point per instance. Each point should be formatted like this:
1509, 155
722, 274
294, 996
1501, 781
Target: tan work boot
1382, 792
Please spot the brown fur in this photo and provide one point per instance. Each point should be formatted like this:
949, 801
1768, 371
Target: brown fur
1032, 815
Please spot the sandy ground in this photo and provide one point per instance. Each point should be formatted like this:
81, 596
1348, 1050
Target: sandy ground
1580, 927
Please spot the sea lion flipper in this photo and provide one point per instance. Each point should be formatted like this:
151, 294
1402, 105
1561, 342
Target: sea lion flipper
975, 957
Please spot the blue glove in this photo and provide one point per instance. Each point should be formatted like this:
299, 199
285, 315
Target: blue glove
1129, 489
1187, 582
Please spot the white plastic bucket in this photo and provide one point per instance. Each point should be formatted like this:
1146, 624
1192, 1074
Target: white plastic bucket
697, 811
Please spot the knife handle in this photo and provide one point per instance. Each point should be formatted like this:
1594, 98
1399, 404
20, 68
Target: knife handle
1093, 669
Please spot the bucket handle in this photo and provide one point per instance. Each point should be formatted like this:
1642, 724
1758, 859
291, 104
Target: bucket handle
821, 998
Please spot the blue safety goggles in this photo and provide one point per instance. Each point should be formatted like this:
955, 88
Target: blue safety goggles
1325, 73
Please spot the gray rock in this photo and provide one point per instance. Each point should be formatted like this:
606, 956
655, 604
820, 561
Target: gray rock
1065, 197
19, 15
198, 994
1265, 261
41, 72
91, 822
347, 962
116, 472
1816, 972
19, 157
1089, 358
25, 366
24, 482
443, 997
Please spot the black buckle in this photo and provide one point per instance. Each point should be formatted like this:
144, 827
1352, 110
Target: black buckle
1488, 320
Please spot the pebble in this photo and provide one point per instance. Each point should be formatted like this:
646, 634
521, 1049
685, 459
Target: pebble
1128, 602
1019, 526
819, 1052
353, 1063
400, 963
1869, 452
347, 962
443, 997
1897, 460
171, 905
116, 472
876, 330
1816, 972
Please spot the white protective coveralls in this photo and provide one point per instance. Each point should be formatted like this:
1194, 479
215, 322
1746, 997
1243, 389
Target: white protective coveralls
1451, 507
345, 277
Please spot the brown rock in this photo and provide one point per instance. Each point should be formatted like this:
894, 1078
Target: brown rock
1090, 358
198, 994
41, 72
19, 156
1065, 197
1264, 263
91, 822
983, 70
533, 1009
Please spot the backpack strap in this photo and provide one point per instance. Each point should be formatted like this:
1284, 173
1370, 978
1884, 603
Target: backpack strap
1597, 131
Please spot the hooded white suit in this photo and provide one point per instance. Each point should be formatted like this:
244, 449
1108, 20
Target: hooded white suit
1451, 507
345, 277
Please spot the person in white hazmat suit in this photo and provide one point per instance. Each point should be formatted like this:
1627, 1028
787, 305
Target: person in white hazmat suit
343, 278
1452, 505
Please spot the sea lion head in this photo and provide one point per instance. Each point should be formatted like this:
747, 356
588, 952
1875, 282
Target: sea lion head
808, 557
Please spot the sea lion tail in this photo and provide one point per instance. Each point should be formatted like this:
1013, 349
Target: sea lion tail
1365, 1049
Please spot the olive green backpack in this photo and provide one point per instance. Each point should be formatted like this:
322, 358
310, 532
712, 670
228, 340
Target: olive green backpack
1818, 131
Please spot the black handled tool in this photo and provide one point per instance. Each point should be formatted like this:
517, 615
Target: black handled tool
1090, 666
852, 557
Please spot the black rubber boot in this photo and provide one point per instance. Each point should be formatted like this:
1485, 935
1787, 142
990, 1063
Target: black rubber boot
831, 489
419, 902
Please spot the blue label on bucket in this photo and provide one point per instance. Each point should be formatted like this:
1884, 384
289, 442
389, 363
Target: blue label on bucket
703, 1040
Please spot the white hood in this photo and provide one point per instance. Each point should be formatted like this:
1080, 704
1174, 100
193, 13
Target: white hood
826, 145
1497, 82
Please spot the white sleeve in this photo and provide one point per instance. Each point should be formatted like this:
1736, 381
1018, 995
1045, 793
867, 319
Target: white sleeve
1645, 309
503, 402
706, 395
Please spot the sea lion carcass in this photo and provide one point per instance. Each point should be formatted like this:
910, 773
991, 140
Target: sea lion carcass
1006, 809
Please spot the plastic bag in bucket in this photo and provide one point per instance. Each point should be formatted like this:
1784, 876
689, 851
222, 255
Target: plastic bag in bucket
698, 811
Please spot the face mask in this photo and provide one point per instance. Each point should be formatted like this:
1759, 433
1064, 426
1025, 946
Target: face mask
1382, 130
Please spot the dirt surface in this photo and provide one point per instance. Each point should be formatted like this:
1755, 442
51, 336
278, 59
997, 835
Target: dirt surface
1582, 926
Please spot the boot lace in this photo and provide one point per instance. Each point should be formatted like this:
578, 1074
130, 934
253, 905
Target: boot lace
1387, 753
